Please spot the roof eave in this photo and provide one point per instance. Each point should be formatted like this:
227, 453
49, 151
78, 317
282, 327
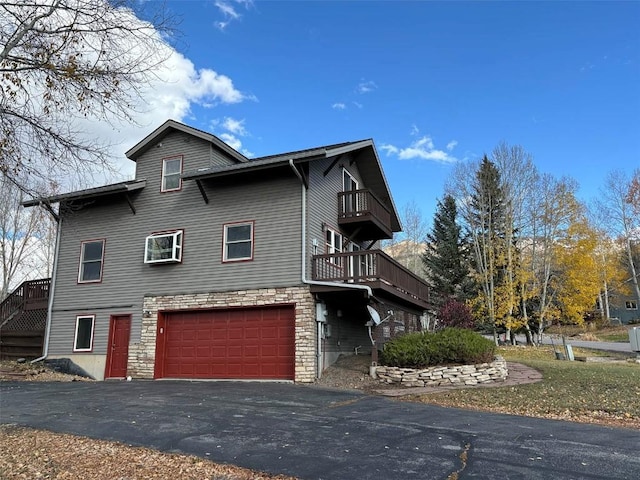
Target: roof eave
124, 187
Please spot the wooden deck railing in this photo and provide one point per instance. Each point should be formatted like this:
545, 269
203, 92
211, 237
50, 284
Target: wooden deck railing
369, 267
360, 203
30, 295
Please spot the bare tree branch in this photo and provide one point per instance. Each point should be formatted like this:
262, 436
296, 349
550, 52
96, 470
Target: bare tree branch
62, 62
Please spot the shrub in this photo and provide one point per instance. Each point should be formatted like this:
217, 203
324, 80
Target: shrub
455, 314
448, 346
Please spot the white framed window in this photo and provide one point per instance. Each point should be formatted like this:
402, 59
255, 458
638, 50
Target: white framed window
333, 245
349, 182
171, 171
333, 242
631, 305
91, 260
163, 247
83, 338
350, 200
238, 242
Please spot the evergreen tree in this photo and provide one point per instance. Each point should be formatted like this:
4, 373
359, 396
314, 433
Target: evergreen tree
444, 257
487, 225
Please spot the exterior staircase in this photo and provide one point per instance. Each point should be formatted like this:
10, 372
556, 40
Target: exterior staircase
23, 318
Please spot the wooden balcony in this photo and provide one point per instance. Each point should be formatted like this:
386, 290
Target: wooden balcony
363, 216
375, 269
30, 295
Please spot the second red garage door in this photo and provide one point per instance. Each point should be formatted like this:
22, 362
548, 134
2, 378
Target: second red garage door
256, 343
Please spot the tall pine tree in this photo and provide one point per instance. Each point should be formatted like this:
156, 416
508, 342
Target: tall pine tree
487, 225
444, 258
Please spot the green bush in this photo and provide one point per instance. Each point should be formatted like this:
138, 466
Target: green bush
446, 347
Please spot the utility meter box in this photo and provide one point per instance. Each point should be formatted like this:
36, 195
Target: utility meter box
634, 338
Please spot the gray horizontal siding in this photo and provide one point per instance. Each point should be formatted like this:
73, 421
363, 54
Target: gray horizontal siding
62, 336
322, 199
273, 204
197, 153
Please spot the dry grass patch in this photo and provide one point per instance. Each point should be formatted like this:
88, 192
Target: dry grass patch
600, 393
35, 454
10, 370
614, 333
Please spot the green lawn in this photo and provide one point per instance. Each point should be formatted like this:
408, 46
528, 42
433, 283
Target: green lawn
605, 393
614, 337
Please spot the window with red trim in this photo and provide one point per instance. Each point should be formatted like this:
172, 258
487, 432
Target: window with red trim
91, 260
238, 242
171, 171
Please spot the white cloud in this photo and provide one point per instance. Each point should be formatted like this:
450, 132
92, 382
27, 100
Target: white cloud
390, 149
338, 106
235, 126
451, 145
231, 140
229, 10
234, 130
423, 149
366, 86
414, 130
176, 87
357, 105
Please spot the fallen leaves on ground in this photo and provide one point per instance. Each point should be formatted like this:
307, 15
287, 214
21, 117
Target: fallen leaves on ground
34, 372
599, 393
36, 454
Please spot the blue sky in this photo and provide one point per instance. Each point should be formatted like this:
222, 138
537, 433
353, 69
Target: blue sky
432, 83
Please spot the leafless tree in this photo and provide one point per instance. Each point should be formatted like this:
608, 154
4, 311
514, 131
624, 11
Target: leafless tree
620, 216
408, 246
518, 175
62, 63
26, 239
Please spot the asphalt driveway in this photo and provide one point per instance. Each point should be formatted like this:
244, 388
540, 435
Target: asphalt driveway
315, 433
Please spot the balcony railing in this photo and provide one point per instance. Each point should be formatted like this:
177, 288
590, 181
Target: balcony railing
30, 295
362, 209
373, 268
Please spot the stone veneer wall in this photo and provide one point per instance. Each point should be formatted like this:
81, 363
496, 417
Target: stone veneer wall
495, 371
142, 355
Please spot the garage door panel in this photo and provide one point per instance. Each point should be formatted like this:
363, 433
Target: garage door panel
234, 343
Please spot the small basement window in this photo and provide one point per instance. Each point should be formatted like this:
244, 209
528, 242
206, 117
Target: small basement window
83, 341
163, 247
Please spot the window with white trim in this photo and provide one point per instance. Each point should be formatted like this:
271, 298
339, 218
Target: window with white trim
333, 245
91, 260
171, 171
350, 200
163, 247
238, 242
83, 338
334, 242
349, 182
631, 305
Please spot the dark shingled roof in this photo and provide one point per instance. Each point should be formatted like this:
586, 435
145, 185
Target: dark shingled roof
121, 187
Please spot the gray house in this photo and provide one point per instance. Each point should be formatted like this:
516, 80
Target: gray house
211, 265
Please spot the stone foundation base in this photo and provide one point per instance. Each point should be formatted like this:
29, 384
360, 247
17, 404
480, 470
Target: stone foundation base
495, 371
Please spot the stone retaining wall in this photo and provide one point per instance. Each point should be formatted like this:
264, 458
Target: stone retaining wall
495, 371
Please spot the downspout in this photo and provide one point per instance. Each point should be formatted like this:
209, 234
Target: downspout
47, 331
316, 282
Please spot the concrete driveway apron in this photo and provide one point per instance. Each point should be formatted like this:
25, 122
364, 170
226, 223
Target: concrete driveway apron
315, 433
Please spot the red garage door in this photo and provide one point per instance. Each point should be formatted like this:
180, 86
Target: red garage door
234, 343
